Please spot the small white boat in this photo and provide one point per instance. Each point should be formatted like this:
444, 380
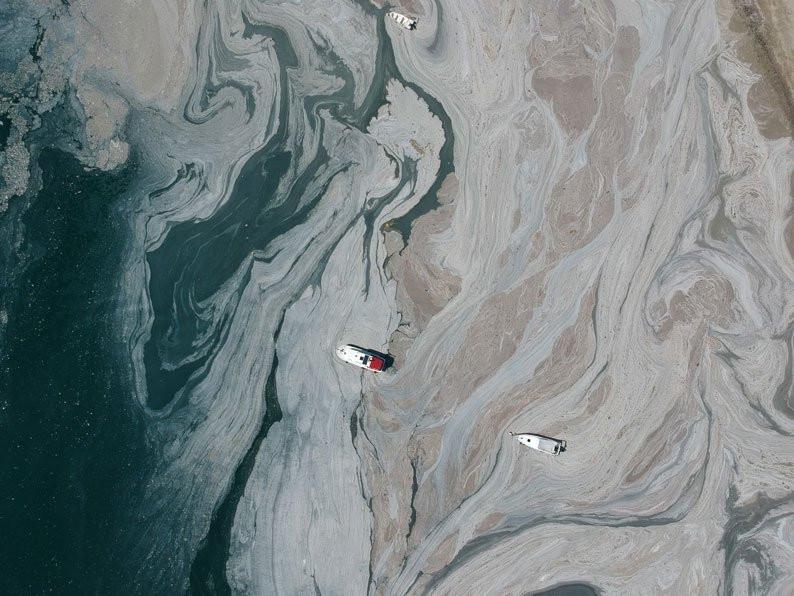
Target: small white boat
361, 357
541, 443
407, 22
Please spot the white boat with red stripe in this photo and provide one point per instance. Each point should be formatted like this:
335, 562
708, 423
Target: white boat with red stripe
361, 357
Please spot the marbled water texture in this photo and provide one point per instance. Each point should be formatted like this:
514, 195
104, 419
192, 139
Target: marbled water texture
567, 218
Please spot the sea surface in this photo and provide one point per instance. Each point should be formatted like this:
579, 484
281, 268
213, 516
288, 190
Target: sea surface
73, 445
86, 437
572, 219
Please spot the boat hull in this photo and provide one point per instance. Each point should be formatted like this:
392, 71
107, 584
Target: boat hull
406, 22
541, 443
361, 357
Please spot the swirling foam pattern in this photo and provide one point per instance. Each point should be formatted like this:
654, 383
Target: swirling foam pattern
558, 217
625, 284
613, 271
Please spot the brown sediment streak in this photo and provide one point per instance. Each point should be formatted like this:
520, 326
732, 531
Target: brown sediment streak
771, 23
424, 284
619, 238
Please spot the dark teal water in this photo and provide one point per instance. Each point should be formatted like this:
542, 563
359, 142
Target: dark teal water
70, 444
571, 589
76, 454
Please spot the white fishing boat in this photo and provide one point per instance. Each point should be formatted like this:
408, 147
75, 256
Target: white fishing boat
407, 22
541, 443
361, 357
